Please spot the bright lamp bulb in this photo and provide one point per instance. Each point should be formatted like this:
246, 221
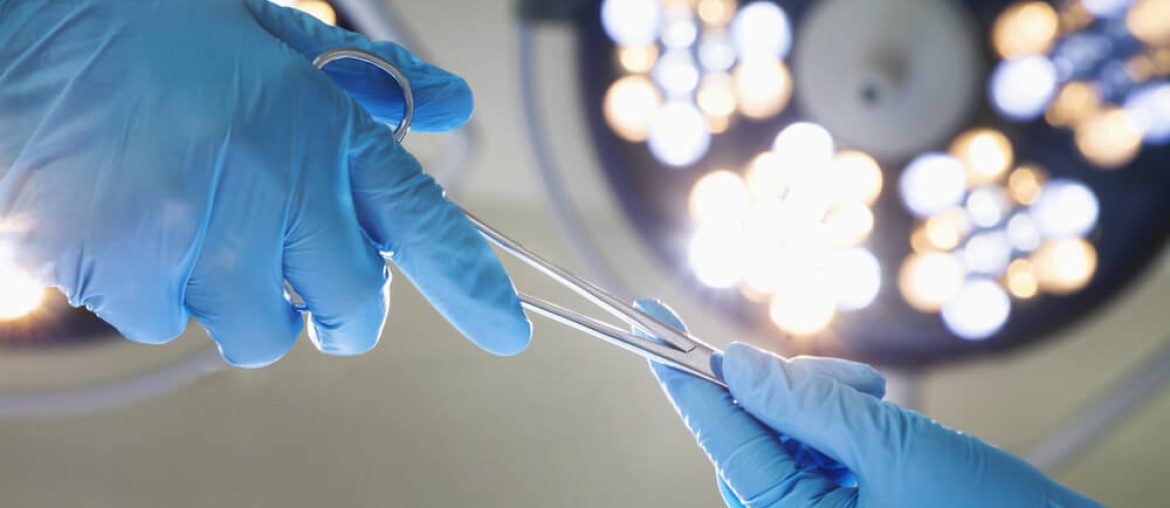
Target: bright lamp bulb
19, 293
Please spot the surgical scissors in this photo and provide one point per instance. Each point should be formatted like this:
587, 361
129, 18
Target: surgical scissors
663, 343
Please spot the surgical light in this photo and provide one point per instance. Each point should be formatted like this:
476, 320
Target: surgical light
1075, 102
716, 97
1023, 232
1149, 109
929, 280
1021, 279
805, 309
1149, 20
978, 310
987, 154
318, 9
774, 200
631, 22
761, 30
946, 230
857, 177
676, 73
1021, 88
1028, 28
716, 256
638, 59
988, 253
1065, 209
1106, 8
987, 206
631, 104
856, 278
932, 183
716, 52
19, 293
720, 197
1066, 265
679, 135
763, 87
1025, 184
1110, 139
716, 12
804, 146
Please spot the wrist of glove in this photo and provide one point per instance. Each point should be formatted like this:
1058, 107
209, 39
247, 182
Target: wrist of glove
896, 457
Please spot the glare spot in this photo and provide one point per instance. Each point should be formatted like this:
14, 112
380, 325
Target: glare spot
679, 134
631, 22
763, 86
716, 256
978, 310
928, 280
932, 183
1064, 266
631, 103
719, 197
1021, 88
856, 276
1065, 208
19, 293
761, 30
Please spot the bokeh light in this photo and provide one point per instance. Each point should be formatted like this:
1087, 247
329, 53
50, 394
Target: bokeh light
719, 197
1021, 88
987, 154
933, 182
763, 87
1026, 28
630, 106
1075, 102
1064, 266
631, 22
19, 293
679, 135
978, 310
1149, 20
928, 280
1110, 139
761, 30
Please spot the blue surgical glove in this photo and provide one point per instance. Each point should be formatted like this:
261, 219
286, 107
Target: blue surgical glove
167, 159
899, 457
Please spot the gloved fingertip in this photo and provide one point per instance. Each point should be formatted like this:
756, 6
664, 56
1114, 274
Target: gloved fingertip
660, 311
339, 344
747, 368
253, 359
507, 334
445, 108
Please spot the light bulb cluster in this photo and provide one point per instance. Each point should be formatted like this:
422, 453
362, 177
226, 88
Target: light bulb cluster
790, 229
1098, 67
689, 68
991, 231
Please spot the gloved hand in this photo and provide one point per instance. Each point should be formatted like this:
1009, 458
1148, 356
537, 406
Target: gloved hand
900, 458
176, 158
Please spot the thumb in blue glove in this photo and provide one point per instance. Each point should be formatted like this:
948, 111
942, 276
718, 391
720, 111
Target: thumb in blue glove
899, 457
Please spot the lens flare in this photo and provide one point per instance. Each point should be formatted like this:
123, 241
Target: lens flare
19, 293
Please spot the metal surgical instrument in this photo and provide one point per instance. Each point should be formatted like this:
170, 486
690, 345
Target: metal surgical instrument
664, 344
